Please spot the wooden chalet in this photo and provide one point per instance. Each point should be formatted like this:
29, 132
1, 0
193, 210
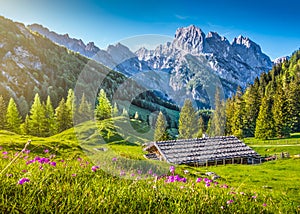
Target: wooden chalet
203, 151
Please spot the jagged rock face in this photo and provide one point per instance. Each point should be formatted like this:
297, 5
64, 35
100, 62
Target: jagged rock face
192, 60
190, 39
236, 63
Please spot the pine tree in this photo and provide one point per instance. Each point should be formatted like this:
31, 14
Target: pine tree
265, 123
3, 110
23, 106
71, 105
136, 115
281, 114
160, 128
25, 127
13, 118
293, 97
115, 110
187, 121
218, 118
84, 110
238, 115
50, 118
37, 118
229, 111
252, 102
124, 112
61, 113
104, 108
201, 127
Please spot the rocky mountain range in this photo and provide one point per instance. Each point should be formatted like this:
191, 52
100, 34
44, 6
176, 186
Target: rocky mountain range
192, 65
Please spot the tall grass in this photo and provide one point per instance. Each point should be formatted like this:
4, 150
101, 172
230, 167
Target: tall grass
74, 184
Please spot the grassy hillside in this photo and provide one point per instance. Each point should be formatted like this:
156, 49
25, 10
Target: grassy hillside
64, 183
126, 182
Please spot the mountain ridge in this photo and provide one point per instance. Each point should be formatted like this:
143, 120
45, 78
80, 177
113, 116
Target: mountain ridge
234, 64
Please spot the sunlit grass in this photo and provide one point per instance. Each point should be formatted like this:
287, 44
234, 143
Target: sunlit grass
125, 182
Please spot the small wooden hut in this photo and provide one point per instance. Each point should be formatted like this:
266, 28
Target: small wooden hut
203, 151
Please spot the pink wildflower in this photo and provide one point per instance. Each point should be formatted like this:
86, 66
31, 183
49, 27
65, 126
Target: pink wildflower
230, 201
23, 180
198, 180
94, 168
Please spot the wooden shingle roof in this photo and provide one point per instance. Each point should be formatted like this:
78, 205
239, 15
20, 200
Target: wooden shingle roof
200, 150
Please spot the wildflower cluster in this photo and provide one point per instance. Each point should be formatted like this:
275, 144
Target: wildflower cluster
41, 160
175, 178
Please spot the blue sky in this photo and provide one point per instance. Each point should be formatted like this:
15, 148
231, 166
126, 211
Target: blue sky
274, 25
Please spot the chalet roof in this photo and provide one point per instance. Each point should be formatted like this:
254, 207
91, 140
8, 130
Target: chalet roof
199, 150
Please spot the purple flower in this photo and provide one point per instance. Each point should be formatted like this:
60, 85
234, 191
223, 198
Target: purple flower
207, 184
44, 160
264, 204
26, 157
46, 150
30, 162
4, 153
230, 201
139, 172
37, 158
170, 179
62, 160
176, 178
79, 159
150, 171
74, 175
122, 173
1, 147
132, 174
172, 169
23, 180
8, 175
198, 180
27, 151
114, 159
183, 180
24, 170
52, 156
208, 181
205, 180
94, 168
53, 164
254, 196
41, 168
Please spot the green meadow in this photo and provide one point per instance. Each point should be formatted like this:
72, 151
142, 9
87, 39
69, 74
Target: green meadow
79, 171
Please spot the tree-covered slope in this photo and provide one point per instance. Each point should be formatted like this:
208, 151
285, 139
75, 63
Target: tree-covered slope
31, 63
270, 107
